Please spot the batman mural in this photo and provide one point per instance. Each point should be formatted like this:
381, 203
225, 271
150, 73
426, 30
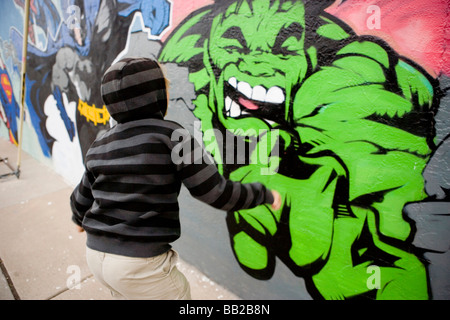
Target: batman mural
80, 43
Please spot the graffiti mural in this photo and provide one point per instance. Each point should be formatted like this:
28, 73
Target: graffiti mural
346, 120
355, 125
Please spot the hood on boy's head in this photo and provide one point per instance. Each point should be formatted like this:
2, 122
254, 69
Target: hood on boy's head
133, 89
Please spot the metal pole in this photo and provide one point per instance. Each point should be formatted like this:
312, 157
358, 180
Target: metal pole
24, 70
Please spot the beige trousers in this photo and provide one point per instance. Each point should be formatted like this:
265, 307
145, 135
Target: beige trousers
155, 278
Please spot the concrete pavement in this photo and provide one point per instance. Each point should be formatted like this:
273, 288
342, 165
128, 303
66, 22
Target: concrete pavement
42, 256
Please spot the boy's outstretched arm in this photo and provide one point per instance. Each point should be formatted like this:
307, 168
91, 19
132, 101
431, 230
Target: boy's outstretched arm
206, 184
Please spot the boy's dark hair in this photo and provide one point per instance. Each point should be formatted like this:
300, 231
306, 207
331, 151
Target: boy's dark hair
133, 89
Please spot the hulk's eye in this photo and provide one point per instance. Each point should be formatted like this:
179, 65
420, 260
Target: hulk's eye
234, 41
288, 39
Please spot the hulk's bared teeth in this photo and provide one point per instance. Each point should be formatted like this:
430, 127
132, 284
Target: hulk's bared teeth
235, 110
245, 89
232, 109
275, 95
258, 93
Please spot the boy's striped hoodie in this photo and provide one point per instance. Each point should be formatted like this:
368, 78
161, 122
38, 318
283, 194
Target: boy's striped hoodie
127, 200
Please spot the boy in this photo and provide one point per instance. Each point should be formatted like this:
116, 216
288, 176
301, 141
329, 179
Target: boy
127, 198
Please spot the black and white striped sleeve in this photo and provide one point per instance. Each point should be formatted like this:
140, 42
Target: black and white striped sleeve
81, 199
206, 184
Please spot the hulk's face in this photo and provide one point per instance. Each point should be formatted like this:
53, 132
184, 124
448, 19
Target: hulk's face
257, 54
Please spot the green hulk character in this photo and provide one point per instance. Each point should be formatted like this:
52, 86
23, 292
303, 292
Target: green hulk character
353, 129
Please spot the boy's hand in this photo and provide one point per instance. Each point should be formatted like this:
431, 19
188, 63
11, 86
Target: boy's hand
276, 200
80, 229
